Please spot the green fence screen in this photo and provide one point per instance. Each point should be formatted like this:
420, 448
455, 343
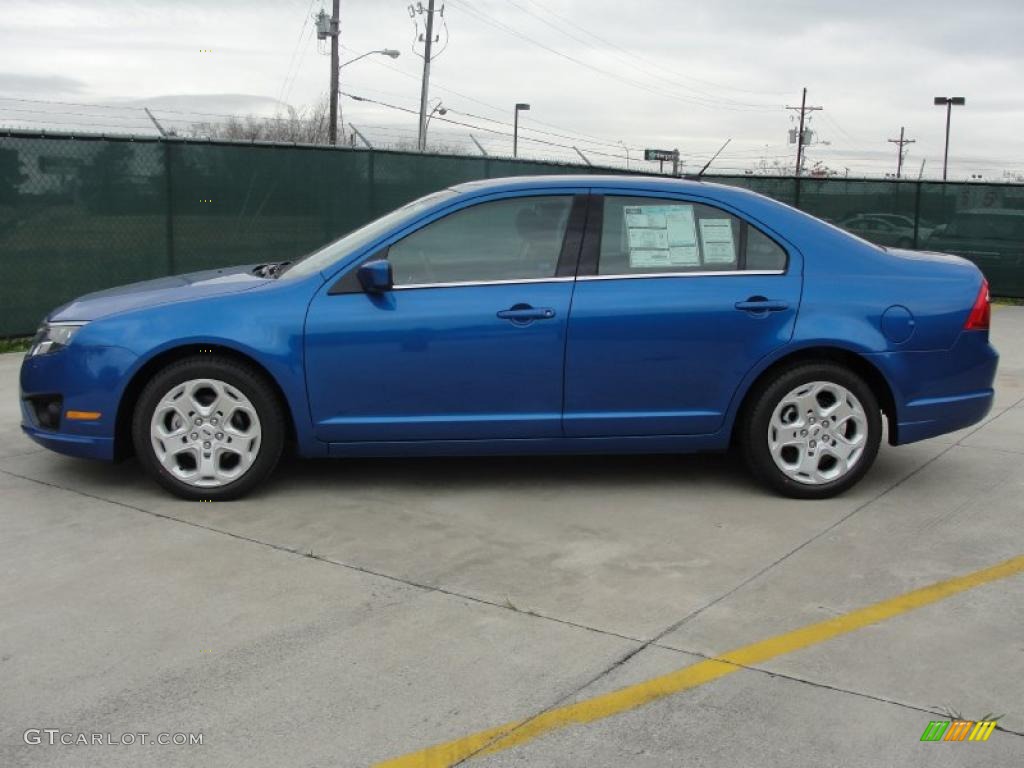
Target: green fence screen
79, 214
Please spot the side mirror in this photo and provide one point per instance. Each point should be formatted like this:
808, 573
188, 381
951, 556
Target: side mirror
376, 276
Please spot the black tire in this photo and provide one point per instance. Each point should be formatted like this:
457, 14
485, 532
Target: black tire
756, 418
247, 380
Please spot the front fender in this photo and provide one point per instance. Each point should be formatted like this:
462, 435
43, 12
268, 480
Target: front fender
264, 325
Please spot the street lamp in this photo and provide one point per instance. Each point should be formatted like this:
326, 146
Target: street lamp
336, 78
389, 52
438, 109
625, 147
515, 130
948, 102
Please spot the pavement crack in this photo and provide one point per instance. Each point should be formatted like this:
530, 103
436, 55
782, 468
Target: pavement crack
838, 689
828, 529
308, 554
696, 612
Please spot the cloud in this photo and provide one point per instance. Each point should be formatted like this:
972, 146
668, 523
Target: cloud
39, 86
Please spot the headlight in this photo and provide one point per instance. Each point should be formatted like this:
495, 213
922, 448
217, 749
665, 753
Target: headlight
52, 337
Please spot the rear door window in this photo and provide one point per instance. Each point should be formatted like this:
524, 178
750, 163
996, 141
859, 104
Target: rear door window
643, 235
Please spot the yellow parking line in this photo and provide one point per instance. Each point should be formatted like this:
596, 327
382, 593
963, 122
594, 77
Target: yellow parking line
519, 732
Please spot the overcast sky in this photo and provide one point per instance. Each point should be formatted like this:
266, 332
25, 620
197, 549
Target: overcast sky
649, 73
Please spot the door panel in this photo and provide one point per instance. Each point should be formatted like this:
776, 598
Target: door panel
677, 300
438, 363
664, 355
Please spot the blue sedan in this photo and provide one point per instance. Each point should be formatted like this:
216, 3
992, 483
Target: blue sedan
563, 314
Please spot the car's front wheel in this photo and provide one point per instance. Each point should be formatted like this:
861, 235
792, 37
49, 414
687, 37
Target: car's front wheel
813, 431
208, 428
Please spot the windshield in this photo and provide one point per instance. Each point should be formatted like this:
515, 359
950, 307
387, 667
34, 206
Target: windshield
358, 238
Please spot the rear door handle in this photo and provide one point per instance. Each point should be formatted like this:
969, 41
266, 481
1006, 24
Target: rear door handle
759, 304
523, 313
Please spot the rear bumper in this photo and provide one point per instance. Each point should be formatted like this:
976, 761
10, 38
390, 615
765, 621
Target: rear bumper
929, 417
940, 391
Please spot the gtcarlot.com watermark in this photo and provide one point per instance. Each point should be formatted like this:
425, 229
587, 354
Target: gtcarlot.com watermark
56, 737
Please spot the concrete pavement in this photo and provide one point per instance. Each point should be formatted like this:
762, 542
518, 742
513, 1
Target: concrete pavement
354, 611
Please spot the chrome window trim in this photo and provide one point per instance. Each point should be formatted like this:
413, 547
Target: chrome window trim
724, 273
472, 283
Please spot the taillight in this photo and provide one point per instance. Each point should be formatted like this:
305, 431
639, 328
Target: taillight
978, 320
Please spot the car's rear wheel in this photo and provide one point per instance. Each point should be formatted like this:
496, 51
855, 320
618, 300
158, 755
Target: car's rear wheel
813, 431
208, 428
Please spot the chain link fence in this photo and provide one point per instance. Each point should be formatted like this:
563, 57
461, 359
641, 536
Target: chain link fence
80, 214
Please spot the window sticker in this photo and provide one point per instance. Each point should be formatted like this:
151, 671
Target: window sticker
661, 236
716, 236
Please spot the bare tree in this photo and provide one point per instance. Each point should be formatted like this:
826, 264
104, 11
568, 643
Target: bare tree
308, 126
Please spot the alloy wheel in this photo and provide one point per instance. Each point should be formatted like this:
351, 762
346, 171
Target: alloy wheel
205, 432
817, 433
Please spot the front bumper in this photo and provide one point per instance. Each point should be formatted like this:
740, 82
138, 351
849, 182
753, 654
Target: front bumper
82, 446
87, 378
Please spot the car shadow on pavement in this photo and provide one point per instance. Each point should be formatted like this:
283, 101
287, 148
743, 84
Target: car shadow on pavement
476, 473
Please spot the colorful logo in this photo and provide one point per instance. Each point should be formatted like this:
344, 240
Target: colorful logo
958, 730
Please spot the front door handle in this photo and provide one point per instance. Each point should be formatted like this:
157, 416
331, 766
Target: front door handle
524, 313
761, 304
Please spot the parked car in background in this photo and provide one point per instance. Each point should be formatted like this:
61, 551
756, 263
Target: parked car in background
561, 314
882, 229
991, 238
895, 219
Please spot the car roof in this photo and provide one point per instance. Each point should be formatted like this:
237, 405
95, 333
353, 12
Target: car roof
617, 181
797, 226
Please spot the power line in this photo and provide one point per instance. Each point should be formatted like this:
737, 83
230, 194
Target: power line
647, 64
650, 62
295, 50
485, 129
607, 73
475, 100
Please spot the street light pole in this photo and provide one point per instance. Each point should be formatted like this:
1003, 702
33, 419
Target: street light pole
515, 127
948, 102
336, 115
438, 109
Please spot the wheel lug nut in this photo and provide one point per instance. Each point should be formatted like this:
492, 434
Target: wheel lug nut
219, 435
206, 444
213, 420
813, 444
803, 433
194, 436
198, 421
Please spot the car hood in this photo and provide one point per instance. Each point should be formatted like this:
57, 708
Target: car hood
163, 290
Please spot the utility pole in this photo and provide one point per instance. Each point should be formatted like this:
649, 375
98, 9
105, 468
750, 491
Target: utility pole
803, 109
900, 142
331, 28
428, 44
